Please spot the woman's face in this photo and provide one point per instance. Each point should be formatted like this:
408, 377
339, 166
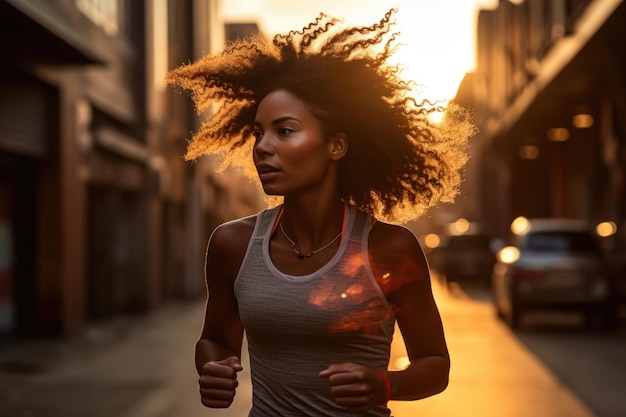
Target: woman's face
291, 153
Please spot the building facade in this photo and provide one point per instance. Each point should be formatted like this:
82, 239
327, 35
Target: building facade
99, 213
549, 97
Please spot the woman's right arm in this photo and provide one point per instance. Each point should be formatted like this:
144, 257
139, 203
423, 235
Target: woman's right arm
218, 351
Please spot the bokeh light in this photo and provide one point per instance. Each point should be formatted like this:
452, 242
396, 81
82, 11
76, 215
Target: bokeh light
508, 254
582, 121
520, 225
459, 227
529, 152
558, 134
606, 229
432, 240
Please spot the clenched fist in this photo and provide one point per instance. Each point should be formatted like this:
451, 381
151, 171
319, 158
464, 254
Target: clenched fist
218, 382
355, 387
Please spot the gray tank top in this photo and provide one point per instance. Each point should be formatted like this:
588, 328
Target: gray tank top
296, 326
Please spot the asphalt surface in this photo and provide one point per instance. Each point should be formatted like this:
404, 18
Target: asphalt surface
143, 367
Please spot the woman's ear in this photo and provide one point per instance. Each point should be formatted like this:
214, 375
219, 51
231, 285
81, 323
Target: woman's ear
338, 146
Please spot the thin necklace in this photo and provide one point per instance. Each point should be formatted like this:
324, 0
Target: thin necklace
306, 255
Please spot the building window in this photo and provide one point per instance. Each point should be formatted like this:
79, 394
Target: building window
103, 13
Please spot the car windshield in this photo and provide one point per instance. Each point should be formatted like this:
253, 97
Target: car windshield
562, 242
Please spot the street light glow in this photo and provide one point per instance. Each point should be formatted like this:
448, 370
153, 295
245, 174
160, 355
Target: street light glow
520, 225
529, 152
606, 229
432, 241
508, 254
558, 134
582, 121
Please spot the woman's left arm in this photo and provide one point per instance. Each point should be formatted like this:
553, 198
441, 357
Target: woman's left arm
401, 270
400, 267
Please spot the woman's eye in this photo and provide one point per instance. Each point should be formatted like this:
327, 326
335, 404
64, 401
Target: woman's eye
284, 131
257, 134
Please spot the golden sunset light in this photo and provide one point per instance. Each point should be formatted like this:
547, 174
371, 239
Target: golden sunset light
436, 37
231, 208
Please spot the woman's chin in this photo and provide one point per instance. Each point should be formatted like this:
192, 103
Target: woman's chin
271, 191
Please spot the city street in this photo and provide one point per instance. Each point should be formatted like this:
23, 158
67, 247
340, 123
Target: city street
142, 367
124, 142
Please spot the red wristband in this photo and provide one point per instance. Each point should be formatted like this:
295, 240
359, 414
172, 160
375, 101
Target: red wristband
385, 378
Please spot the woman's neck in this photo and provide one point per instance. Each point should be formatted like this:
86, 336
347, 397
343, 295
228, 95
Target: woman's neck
312, 223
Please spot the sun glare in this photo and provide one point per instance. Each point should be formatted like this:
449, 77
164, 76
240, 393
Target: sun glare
436, 37
436, 46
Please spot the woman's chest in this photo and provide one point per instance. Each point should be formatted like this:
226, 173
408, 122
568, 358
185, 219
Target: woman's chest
329, 305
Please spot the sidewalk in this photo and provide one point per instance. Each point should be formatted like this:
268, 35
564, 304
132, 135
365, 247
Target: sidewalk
130, 367
492, 373
143, 367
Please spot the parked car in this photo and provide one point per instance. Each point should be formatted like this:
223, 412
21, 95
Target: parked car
554, 263
464, 255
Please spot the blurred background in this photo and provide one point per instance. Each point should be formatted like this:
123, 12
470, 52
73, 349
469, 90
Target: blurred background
101, 219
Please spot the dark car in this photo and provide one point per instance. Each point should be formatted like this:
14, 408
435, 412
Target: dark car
468, 257
554, 264
464, 255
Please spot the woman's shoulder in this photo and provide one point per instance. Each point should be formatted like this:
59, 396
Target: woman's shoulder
234, 233
388, 242
395, 252
227, 247
392, 234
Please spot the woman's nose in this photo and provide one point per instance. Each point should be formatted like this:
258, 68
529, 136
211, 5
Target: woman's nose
263, 145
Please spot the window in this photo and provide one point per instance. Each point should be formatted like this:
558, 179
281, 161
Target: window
103, 13
562, 242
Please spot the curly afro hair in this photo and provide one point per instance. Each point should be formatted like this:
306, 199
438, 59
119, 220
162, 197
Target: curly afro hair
399, 163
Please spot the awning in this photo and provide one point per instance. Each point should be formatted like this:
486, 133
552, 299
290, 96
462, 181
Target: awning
569, 75
36, 30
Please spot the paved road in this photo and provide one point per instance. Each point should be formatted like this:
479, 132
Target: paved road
589, 361
492, 374
143, 368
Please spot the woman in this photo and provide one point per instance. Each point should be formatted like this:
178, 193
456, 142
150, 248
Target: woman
318, 282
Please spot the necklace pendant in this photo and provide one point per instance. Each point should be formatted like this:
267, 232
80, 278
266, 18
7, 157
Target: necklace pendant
305, 255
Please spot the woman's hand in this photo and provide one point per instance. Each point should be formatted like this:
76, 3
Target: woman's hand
218, 382
355, 387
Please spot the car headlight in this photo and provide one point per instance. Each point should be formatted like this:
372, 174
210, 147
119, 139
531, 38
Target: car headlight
508, 254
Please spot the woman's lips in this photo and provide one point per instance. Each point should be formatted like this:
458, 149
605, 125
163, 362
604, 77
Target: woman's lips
266, 171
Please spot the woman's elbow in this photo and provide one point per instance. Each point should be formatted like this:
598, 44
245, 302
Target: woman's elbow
441, 376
